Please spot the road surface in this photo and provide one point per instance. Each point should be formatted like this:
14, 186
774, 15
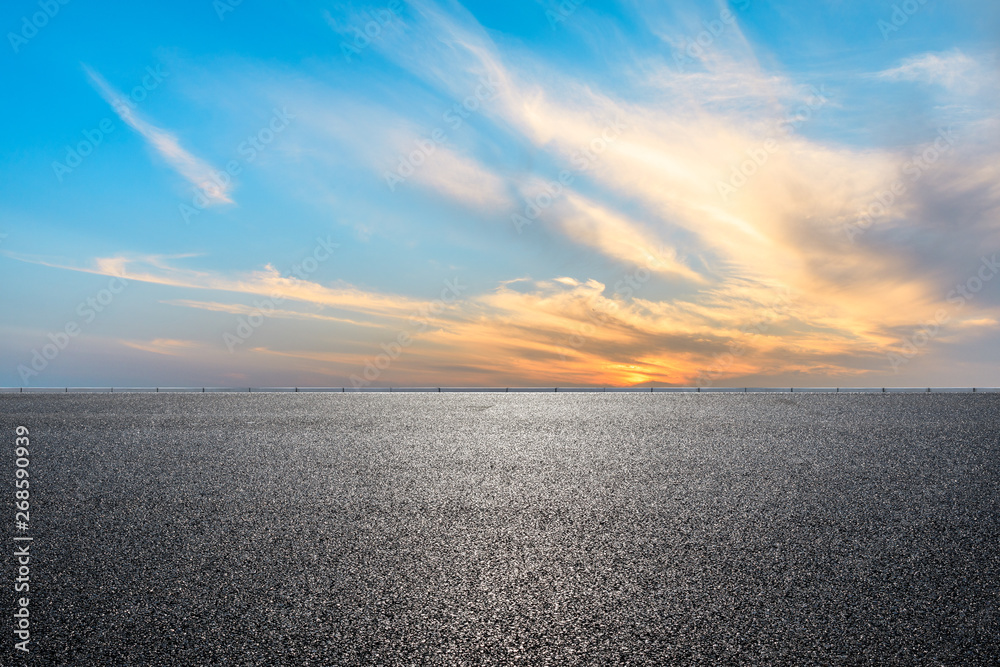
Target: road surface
318, 529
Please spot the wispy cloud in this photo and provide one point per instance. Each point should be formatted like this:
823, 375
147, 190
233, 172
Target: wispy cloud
277, 313
464, 180
196, 171
165, 346
953, 70
267, 281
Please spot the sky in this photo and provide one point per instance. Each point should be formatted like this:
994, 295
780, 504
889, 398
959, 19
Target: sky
756, 193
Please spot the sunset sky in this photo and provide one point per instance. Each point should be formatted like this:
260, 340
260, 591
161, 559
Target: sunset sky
751, 193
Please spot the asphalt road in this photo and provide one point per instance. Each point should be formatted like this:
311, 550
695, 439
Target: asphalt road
295, 529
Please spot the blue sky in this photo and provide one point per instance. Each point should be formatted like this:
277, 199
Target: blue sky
419, 193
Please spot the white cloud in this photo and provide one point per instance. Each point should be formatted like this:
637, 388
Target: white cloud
953, 70
463, 179
195, 170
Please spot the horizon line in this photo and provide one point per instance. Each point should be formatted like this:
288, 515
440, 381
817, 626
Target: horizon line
482, 389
